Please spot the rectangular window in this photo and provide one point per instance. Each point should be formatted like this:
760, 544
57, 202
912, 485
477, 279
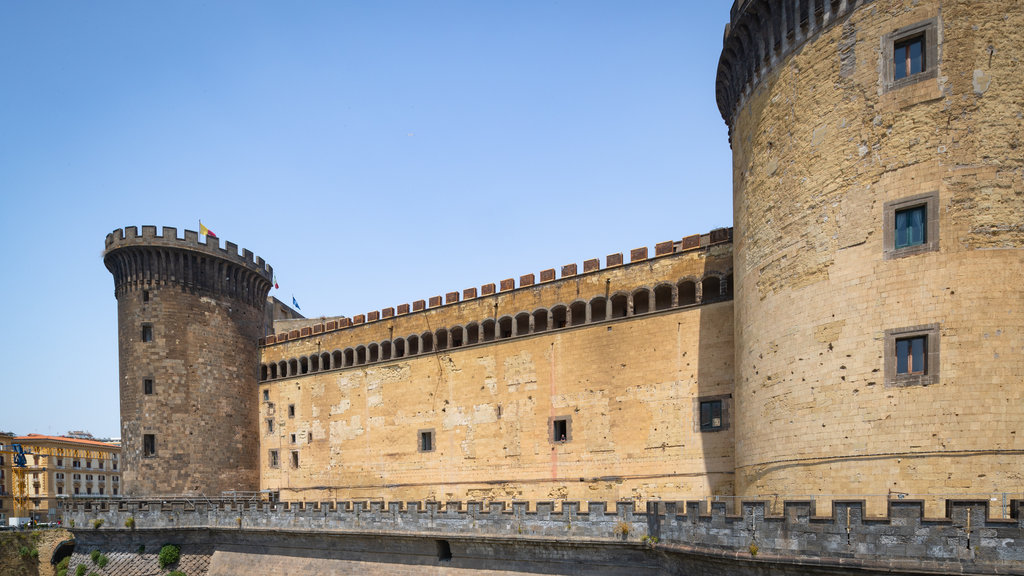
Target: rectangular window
911, 55
147, 332
273, 459
147, 386
711, 415
908, 57
148, 445
426, 441
266, 395
60, 489
293, 438
291, 410
60, 462
910, 227
560, 429
101, 489
295, 458
145, 295
910, 355
270, 425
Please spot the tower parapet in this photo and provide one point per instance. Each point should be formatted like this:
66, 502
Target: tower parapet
760, 34
149, 259
189, 318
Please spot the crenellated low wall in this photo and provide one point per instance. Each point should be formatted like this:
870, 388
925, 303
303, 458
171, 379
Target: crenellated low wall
668, 536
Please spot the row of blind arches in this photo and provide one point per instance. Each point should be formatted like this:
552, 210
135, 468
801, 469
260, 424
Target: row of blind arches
687, 292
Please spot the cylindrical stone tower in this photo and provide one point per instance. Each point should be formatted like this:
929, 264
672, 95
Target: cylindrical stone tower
878, 161
189, 316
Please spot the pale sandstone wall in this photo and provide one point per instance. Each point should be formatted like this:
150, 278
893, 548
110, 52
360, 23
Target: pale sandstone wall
628, 385
819, 148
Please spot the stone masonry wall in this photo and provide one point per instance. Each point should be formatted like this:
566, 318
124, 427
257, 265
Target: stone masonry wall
674, 535
823, 143
628, 386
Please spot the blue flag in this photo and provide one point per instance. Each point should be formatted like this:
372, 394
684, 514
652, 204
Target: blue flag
295, 303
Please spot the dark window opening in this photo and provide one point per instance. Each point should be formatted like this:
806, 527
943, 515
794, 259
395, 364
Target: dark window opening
427, 340
361, 355
558, 317
911, 227
414, 345
337, 359
540, 320
148, 445
385, 350
711, 415
472, 333
522, 324
619, 306
505, 327
263, 372
293, 439
147, 332
444, 550
578, 313
910, 355
908, 57
374, 352
662, 297
641, 302
266, 395
303, 365
295, 458
270, 425
489, 331
273, 459
441, 339
349, 357
711, 289
291, 410
426, 441
560, 430
598, 309
147, 386
145, 295
687, 293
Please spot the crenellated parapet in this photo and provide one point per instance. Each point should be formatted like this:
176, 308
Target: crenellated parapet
138, 261
761, 34
969, 538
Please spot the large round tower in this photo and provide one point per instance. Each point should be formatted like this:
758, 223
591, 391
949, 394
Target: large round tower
879, 242
189, 316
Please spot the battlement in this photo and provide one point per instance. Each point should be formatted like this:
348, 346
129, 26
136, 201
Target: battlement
150, 259
966, 538
129, 236
568, 271
761, 34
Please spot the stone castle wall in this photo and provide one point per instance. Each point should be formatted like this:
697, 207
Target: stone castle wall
825, 145
189, 317
624, 354
521, 537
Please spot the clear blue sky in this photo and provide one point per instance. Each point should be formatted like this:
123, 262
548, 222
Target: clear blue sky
374, 153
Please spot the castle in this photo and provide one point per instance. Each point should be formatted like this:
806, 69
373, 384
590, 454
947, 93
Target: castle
858, 333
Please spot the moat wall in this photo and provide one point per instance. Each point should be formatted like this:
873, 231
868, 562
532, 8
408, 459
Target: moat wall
666, 538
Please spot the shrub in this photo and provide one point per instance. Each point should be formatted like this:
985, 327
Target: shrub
27, 552
129, 522
95, 555
176, 573
142, 549
169, 554
97, 523
103, 561
622, 529
80, 571
63, 564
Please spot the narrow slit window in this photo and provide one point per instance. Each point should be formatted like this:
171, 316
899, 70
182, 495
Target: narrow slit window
426, 441
295, 459
147, 332
147, 386
148, 445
